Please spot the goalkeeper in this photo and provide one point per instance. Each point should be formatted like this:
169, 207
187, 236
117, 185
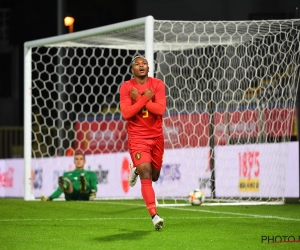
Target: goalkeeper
77, 185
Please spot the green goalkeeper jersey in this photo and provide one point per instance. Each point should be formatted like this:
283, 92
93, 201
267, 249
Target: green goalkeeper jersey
74, 177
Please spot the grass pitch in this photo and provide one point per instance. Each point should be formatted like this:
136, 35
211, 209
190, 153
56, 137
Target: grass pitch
125, 224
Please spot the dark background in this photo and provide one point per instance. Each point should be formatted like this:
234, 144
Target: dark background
22, 21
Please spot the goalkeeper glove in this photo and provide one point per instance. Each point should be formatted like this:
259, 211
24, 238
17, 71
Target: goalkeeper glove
45, 198
92, 196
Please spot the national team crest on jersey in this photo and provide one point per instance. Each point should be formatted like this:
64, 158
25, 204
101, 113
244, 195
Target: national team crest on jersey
138, 156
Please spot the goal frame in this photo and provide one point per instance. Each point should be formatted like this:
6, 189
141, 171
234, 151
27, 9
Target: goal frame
145, 45
148, 21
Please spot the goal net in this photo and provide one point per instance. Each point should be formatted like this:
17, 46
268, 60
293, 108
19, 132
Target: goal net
231, 90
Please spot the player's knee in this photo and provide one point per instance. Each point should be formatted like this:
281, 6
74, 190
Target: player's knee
155, 174
154, 178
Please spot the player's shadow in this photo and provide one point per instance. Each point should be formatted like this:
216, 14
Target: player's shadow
124, 235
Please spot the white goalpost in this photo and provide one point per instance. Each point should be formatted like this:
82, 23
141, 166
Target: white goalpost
231, 93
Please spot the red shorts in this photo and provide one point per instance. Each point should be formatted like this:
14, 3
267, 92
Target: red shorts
147, 150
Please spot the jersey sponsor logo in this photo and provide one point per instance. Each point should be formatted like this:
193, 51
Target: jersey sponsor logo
138, 156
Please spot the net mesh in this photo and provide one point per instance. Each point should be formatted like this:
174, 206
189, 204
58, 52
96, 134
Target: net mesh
231, 90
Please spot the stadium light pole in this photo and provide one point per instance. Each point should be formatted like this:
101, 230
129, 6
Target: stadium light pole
60, 16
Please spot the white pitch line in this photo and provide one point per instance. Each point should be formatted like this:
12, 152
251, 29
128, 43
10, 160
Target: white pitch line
103, 219
70, 219
257, 216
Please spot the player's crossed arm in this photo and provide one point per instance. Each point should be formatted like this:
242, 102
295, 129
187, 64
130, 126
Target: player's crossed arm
128, 109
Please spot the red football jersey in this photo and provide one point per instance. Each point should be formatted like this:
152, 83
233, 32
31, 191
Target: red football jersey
144, 124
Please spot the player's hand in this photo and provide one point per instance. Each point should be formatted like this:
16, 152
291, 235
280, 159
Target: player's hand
134, 93
92, 196
45, 198
149, 93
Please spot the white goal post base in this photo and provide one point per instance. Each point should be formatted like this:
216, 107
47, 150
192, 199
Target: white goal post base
231, 91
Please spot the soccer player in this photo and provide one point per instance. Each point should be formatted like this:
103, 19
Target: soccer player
143, 103
79, 184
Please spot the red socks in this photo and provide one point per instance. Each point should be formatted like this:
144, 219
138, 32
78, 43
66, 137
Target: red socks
148, 196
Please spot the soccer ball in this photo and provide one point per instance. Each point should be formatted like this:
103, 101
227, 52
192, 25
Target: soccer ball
196, 197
